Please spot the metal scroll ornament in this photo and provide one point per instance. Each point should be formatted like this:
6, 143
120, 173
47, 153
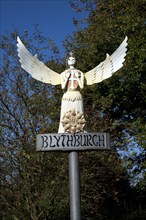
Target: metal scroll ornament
73, 122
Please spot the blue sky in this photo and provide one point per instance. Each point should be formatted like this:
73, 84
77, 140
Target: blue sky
55, 17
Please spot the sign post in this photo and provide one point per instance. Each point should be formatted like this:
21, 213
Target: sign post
73, 143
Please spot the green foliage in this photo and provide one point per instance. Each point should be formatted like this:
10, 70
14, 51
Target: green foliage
33, 184
103, 192
118, 104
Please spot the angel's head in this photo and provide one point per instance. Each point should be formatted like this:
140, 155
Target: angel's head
71, 61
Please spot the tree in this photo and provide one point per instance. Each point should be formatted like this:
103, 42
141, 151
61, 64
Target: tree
116, 105
108, 23
29, 180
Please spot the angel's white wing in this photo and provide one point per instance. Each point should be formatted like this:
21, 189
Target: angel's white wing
36, 68
109, 66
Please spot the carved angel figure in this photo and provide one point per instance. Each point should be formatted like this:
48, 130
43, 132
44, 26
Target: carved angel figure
71, 80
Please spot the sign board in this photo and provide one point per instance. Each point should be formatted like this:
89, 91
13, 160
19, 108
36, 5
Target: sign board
72, 142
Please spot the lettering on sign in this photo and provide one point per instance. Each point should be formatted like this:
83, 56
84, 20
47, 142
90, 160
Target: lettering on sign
69, 142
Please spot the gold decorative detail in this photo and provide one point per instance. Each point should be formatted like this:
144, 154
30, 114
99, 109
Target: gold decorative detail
73, 122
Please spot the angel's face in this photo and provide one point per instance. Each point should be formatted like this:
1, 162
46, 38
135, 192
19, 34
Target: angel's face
71, 61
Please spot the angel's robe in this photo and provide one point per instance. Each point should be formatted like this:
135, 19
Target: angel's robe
72, 80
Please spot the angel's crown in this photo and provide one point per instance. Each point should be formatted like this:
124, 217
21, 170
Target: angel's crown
71, 54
